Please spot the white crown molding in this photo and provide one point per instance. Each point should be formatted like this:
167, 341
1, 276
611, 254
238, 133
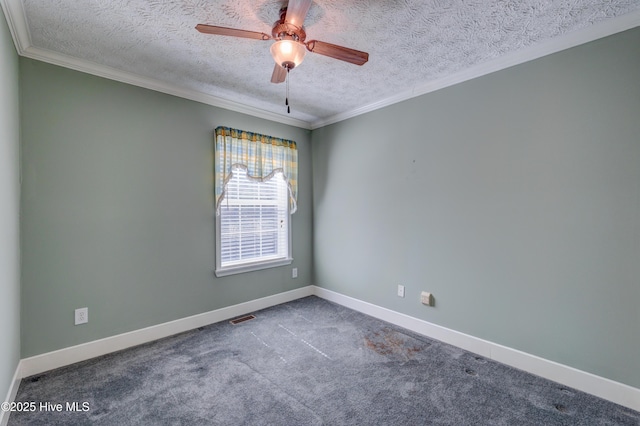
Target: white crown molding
16, 18
601, 387
17, 21
156, 85
576, 38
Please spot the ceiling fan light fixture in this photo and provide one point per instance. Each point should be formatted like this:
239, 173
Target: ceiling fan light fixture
288, 53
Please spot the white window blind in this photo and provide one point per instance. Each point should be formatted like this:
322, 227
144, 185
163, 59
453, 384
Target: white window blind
253, 221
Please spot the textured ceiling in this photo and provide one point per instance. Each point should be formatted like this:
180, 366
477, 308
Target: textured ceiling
410, 43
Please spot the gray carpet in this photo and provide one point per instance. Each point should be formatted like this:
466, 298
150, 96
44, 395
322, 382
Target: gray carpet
307, 362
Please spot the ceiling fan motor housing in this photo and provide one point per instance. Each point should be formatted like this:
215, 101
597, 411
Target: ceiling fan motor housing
282, 29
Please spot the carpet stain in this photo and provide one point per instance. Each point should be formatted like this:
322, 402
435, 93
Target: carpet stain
390, 343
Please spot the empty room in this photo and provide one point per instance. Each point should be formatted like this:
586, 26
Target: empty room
320, 212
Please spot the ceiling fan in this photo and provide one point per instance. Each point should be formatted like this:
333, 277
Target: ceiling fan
290, 47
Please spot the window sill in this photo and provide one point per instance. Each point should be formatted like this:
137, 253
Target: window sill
249, 267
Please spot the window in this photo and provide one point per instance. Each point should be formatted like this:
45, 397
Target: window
253, 224
256, 189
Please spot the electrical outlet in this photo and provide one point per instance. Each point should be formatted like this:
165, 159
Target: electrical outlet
294, 273
400, 290
82, 316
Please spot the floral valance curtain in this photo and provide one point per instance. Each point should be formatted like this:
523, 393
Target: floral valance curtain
262, 156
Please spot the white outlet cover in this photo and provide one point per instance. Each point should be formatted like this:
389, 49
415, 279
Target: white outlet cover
400, 290
294, 273
81, 316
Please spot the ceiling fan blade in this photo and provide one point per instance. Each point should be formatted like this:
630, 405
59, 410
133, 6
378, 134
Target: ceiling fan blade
337, 52
279, 74
212, 29
297, 11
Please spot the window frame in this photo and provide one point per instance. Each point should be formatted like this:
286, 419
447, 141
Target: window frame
250, 266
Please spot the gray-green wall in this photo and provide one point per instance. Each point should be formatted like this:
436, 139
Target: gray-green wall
514, 198
9, 210
118, 208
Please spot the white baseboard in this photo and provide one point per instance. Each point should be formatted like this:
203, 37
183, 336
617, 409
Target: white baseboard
601, 387
48, 361
11, 395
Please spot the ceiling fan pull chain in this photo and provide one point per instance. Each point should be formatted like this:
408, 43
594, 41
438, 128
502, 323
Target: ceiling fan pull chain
286, 99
